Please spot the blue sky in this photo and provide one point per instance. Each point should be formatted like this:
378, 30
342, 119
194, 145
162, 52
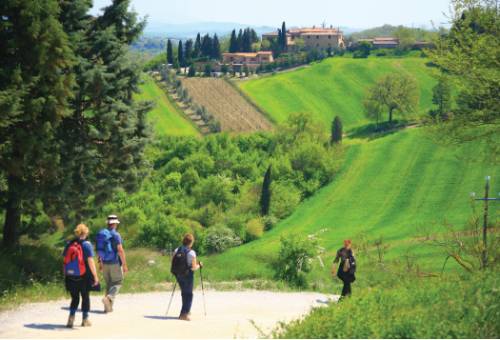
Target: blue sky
350, 13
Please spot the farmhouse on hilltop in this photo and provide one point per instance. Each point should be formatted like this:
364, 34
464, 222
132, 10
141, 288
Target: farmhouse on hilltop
319, 38
251, 59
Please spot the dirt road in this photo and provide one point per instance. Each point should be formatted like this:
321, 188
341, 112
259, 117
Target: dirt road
229, 315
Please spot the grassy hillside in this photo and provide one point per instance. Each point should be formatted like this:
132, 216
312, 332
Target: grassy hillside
165, 117
395, 186
336, 86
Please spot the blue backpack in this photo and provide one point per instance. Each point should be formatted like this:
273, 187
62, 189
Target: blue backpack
104, 245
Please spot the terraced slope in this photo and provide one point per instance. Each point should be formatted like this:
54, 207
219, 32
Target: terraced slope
336, 86
395, 187
227, 105
165, 118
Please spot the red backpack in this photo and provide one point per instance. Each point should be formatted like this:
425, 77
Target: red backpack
74, 261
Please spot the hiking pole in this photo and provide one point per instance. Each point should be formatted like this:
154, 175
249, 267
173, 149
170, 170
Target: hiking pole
203, 292
171, 297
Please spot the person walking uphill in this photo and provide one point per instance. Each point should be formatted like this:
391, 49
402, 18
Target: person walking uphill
80, 273
112, 260
184, 264
347, 267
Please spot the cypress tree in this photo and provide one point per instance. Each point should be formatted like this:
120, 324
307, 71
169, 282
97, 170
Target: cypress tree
35, 86
206, 46
233, 42
240, 40
265, 197
188, 54
215, 47
336, 130
197, 47
170, 53
180, 55
283, 37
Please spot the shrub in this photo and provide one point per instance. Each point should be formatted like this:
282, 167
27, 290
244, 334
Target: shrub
285, 199
219, 238
254, 229
294, 260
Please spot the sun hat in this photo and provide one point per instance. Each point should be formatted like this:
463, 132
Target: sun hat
113, 219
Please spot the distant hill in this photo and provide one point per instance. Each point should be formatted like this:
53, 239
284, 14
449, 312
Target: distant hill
186, 31
336, 86
389, 30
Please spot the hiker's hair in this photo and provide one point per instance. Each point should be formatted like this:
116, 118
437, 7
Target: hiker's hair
81, 230
347, 243
188, 239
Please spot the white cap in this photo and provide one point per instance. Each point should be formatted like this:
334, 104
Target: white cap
113, 219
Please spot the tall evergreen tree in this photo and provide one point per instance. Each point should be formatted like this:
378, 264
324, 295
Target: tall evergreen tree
170, 53
233, 42
180, 55
35, 85
197, 47
336, 136
206, 46
265, 197
188, 52
240, 40
283, 37
103, 151
215, 48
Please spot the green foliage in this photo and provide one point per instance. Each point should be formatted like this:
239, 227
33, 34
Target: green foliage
395, 92
363, 50
254, 229
170, 52
294, 259
449, 307
441, 97
468, 55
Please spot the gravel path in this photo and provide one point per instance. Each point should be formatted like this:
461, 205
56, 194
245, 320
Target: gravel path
234, 314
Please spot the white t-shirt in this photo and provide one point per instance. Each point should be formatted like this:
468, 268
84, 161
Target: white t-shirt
191, 255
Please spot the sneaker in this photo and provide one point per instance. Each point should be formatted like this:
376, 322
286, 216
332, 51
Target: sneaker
184, 317
71, 321
107, 305
86, 322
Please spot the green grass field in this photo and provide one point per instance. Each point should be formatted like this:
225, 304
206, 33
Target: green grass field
336, 86
397, 187
165, 118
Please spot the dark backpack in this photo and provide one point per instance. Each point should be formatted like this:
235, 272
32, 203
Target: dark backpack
104, 246
180, 265
74, 260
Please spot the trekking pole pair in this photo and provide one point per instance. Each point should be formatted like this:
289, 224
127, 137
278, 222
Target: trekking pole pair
202, 291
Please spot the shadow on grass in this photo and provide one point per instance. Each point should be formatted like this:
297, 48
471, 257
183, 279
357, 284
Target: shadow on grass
91, 311
373, 131
158, 317
46, 326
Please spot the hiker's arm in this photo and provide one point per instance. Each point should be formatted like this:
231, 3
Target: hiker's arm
195, 265
121, 253
93, 270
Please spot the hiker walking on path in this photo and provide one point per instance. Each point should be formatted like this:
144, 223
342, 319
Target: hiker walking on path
184, 264
112, 260
347, 267
80, 273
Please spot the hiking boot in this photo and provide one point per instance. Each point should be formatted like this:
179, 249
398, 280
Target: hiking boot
86, 322
71, 321
108, 308
184, 317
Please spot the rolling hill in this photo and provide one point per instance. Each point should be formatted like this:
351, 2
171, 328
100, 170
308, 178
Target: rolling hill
396, 187
165, 117
336, 86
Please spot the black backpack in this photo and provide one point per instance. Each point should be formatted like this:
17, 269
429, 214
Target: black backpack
180, 265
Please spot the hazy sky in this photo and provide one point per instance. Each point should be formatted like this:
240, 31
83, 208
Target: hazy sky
351, 13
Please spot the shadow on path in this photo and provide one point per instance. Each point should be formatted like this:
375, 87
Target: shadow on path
46, 326
157, 317
91, 311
